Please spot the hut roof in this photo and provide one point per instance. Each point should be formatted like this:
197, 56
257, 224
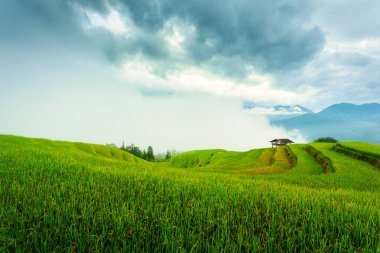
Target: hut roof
285, 141
282, 141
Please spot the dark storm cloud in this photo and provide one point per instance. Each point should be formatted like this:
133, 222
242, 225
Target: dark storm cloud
33, 18
118, 49
43, 26
269, 35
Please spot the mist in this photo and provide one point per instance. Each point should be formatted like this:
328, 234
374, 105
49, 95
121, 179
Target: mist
180, 122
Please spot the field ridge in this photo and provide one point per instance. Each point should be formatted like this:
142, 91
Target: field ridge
371, 158
321, 159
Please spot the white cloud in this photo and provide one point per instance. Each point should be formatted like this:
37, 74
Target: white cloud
293, 110
175, 33
112, 22
367, 47
193, 79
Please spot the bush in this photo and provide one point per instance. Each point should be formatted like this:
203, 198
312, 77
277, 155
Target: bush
326, 139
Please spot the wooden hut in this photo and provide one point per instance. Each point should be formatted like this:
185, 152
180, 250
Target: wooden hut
280, 142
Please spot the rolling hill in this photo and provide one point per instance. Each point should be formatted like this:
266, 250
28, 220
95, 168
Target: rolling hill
75, 197
341, 121
257, 161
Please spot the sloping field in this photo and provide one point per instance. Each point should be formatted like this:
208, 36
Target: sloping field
221, 159
62, 196
64, 151
363, 147
349, 172
321, 158
361, 151
259, 161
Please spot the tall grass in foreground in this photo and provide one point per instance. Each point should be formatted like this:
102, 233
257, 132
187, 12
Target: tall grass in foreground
65, 199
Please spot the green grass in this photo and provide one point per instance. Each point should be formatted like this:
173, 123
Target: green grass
320, 158
360, 151
62, 196
363, 147
349, 172
259, 161
219, 159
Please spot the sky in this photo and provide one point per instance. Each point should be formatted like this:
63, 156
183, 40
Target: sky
175, 74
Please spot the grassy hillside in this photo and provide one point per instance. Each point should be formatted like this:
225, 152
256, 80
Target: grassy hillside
371, 149
66, 151
259, 161
360, 151
62, 196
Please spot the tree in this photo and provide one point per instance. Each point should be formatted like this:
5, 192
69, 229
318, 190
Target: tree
144, 155
326, 139
150, 154
168, 155
134, 150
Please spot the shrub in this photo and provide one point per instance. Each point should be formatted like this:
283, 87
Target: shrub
326, 139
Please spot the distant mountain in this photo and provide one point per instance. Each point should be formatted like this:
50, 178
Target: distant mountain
341, 121
292, 109
277, 112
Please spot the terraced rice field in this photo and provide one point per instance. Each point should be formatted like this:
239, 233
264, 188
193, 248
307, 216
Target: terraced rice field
363, 147
75, 197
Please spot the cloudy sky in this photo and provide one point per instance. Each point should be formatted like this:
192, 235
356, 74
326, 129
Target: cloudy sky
175, 74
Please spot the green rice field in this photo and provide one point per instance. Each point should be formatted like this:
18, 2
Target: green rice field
60, 196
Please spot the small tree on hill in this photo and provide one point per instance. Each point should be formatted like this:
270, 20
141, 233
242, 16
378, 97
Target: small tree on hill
150, 154
168, 155
134, 150
144, 155
326, 139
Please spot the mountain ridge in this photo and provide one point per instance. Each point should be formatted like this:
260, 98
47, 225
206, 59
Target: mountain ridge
344, 121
